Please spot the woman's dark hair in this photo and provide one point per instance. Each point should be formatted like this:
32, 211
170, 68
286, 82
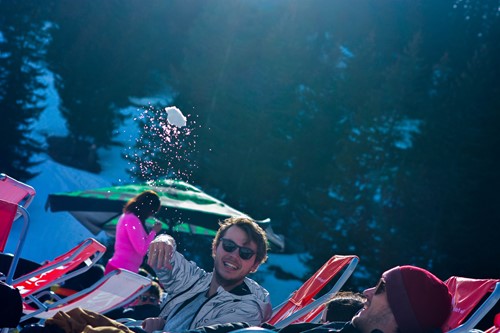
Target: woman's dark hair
143, 205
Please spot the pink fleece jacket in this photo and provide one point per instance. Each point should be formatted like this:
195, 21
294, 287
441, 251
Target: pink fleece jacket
131, 244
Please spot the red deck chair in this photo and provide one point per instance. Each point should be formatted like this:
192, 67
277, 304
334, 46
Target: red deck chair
34, 287
467, 294
113, 290
301, 306
74, 262
15, 197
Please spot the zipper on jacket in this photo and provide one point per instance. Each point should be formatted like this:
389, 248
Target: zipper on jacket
202, 305
187, 302
179, 294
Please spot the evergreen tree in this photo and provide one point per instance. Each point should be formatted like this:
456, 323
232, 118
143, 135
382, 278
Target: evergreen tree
84, 57
366, 116
23, 40
344, 133
455, 174
106, 53
236, 102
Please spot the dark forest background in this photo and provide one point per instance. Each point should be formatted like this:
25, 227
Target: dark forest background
358, 127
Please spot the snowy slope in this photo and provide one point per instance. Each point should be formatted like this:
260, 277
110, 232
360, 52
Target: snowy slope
51, 234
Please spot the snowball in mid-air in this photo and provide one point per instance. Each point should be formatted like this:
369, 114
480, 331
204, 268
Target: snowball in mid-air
175, 116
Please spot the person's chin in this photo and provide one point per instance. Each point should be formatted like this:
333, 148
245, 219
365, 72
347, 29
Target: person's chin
231, 275
357, 316
227, 274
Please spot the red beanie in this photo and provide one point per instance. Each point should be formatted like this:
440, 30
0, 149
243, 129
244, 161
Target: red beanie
419, 301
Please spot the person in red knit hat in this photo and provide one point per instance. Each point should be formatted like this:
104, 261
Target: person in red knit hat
407, 299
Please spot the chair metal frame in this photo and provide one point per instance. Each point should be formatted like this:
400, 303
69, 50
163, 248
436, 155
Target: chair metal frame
20, 194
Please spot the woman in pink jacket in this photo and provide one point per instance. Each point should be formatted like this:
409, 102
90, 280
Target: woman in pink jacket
132, 240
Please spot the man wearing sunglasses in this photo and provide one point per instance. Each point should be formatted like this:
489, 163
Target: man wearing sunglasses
197, 298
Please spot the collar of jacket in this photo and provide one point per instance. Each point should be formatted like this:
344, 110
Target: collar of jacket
240, 290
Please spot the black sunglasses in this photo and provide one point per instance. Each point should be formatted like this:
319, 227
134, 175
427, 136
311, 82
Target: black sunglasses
244, 252
150, 298
380, 288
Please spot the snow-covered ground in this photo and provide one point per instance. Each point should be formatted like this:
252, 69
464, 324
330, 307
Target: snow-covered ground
52, 234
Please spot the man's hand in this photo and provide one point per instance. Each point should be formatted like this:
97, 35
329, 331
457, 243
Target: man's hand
153, 324
161, 251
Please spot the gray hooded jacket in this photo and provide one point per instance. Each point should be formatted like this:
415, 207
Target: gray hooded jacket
248, 302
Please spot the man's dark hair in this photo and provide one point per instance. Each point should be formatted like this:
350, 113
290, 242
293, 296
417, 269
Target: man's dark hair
343, 306
155, 290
